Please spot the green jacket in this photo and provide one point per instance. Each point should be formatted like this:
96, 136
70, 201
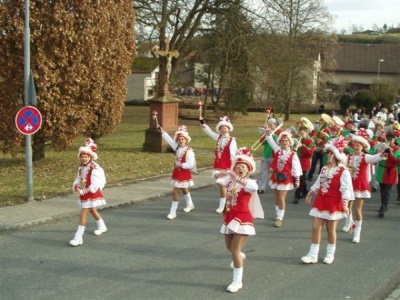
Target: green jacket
267, 150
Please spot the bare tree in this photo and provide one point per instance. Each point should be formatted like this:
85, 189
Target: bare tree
375, 27
290, 36
178, 20
354, 28
236, 35
224, 53
181, 21
295, 35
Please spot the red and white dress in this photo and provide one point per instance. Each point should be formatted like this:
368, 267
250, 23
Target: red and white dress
225, 150
359, 166
91, 180
332, 186
184, 163
242, 207
284, 162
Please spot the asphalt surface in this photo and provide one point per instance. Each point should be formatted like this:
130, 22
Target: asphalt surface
145, 256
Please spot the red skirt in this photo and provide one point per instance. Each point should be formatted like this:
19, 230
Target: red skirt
328, 208
238, 222
361, 189
182, 178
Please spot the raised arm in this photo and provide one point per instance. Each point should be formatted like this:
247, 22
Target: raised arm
169, 140
208, 130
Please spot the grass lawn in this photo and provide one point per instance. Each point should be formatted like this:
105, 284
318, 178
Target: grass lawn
120, 154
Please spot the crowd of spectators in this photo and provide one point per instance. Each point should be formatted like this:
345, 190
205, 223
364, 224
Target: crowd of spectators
195, 92
377, 113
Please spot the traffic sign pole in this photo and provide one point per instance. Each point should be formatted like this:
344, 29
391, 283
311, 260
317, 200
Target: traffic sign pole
28, 139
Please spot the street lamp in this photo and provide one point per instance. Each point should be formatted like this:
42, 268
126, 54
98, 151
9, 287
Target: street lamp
379, 67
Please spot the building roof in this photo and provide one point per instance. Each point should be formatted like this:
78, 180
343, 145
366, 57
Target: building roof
367, 32
364, 58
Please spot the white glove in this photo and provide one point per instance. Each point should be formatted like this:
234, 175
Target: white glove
83, 191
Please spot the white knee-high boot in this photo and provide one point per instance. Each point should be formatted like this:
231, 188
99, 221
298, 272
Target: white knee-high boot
221, 206
312, 256
189, 203
280, 214
172, 212
101, 227
330, 253
237, 280
357, 232
78, 237
349, 223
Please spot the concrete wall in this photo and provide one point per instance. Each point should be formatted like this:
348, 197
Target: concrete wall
135, 85
141, 86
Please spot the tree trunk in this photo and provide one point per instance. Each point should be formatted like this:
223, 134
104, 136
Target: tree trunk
204, 113
38, 149
288, 99
287, 110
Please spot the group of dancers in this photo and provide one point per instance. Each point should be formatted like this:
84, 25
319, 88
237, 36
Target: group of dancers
238, 200
351, 158
344, 178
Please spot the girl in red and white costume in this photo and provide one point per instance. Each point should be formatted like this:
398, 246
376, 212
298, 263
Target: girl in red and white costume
359, 165
242, 205
285, 165
184, 163
334, 189
225, 150
89, 183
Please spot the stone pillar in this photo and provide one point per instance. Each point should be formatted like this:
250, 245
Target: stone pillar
166, 106
167, 115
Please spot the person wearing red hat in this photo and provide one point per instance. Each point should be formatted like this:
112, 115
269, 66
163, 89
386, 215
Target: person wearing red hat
334, 190
89, 183
305, 150
267, 154
225, 150
184, 163
348, 128
387, 174
359, 165
242, 206
286, 171
320, 139
335, 131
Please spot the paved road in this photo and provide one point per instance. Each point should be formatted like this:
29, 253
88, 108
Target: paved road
146, 256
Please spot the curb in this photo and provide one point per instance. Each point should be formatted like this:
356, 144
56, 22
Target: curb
73, 211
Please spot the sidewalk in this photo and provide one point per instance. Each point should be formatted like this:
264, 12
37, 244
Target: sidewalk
37, 212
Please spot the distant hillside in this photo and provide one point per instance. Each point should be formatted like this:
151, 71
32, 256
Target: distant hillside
384, 38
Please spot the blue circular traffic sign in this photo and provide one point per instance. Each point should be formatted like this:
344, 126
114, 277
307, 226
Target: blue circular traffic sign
28, 120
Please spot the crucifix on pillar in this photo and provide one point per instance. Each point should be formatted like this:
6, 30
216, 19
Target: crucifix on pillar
165, 67
164, 106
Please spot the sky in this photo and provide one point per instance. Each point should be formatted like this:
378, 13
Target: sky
364, 12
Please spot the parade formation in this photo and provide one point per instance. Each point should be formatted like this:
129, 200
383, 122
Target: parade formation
352, 154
